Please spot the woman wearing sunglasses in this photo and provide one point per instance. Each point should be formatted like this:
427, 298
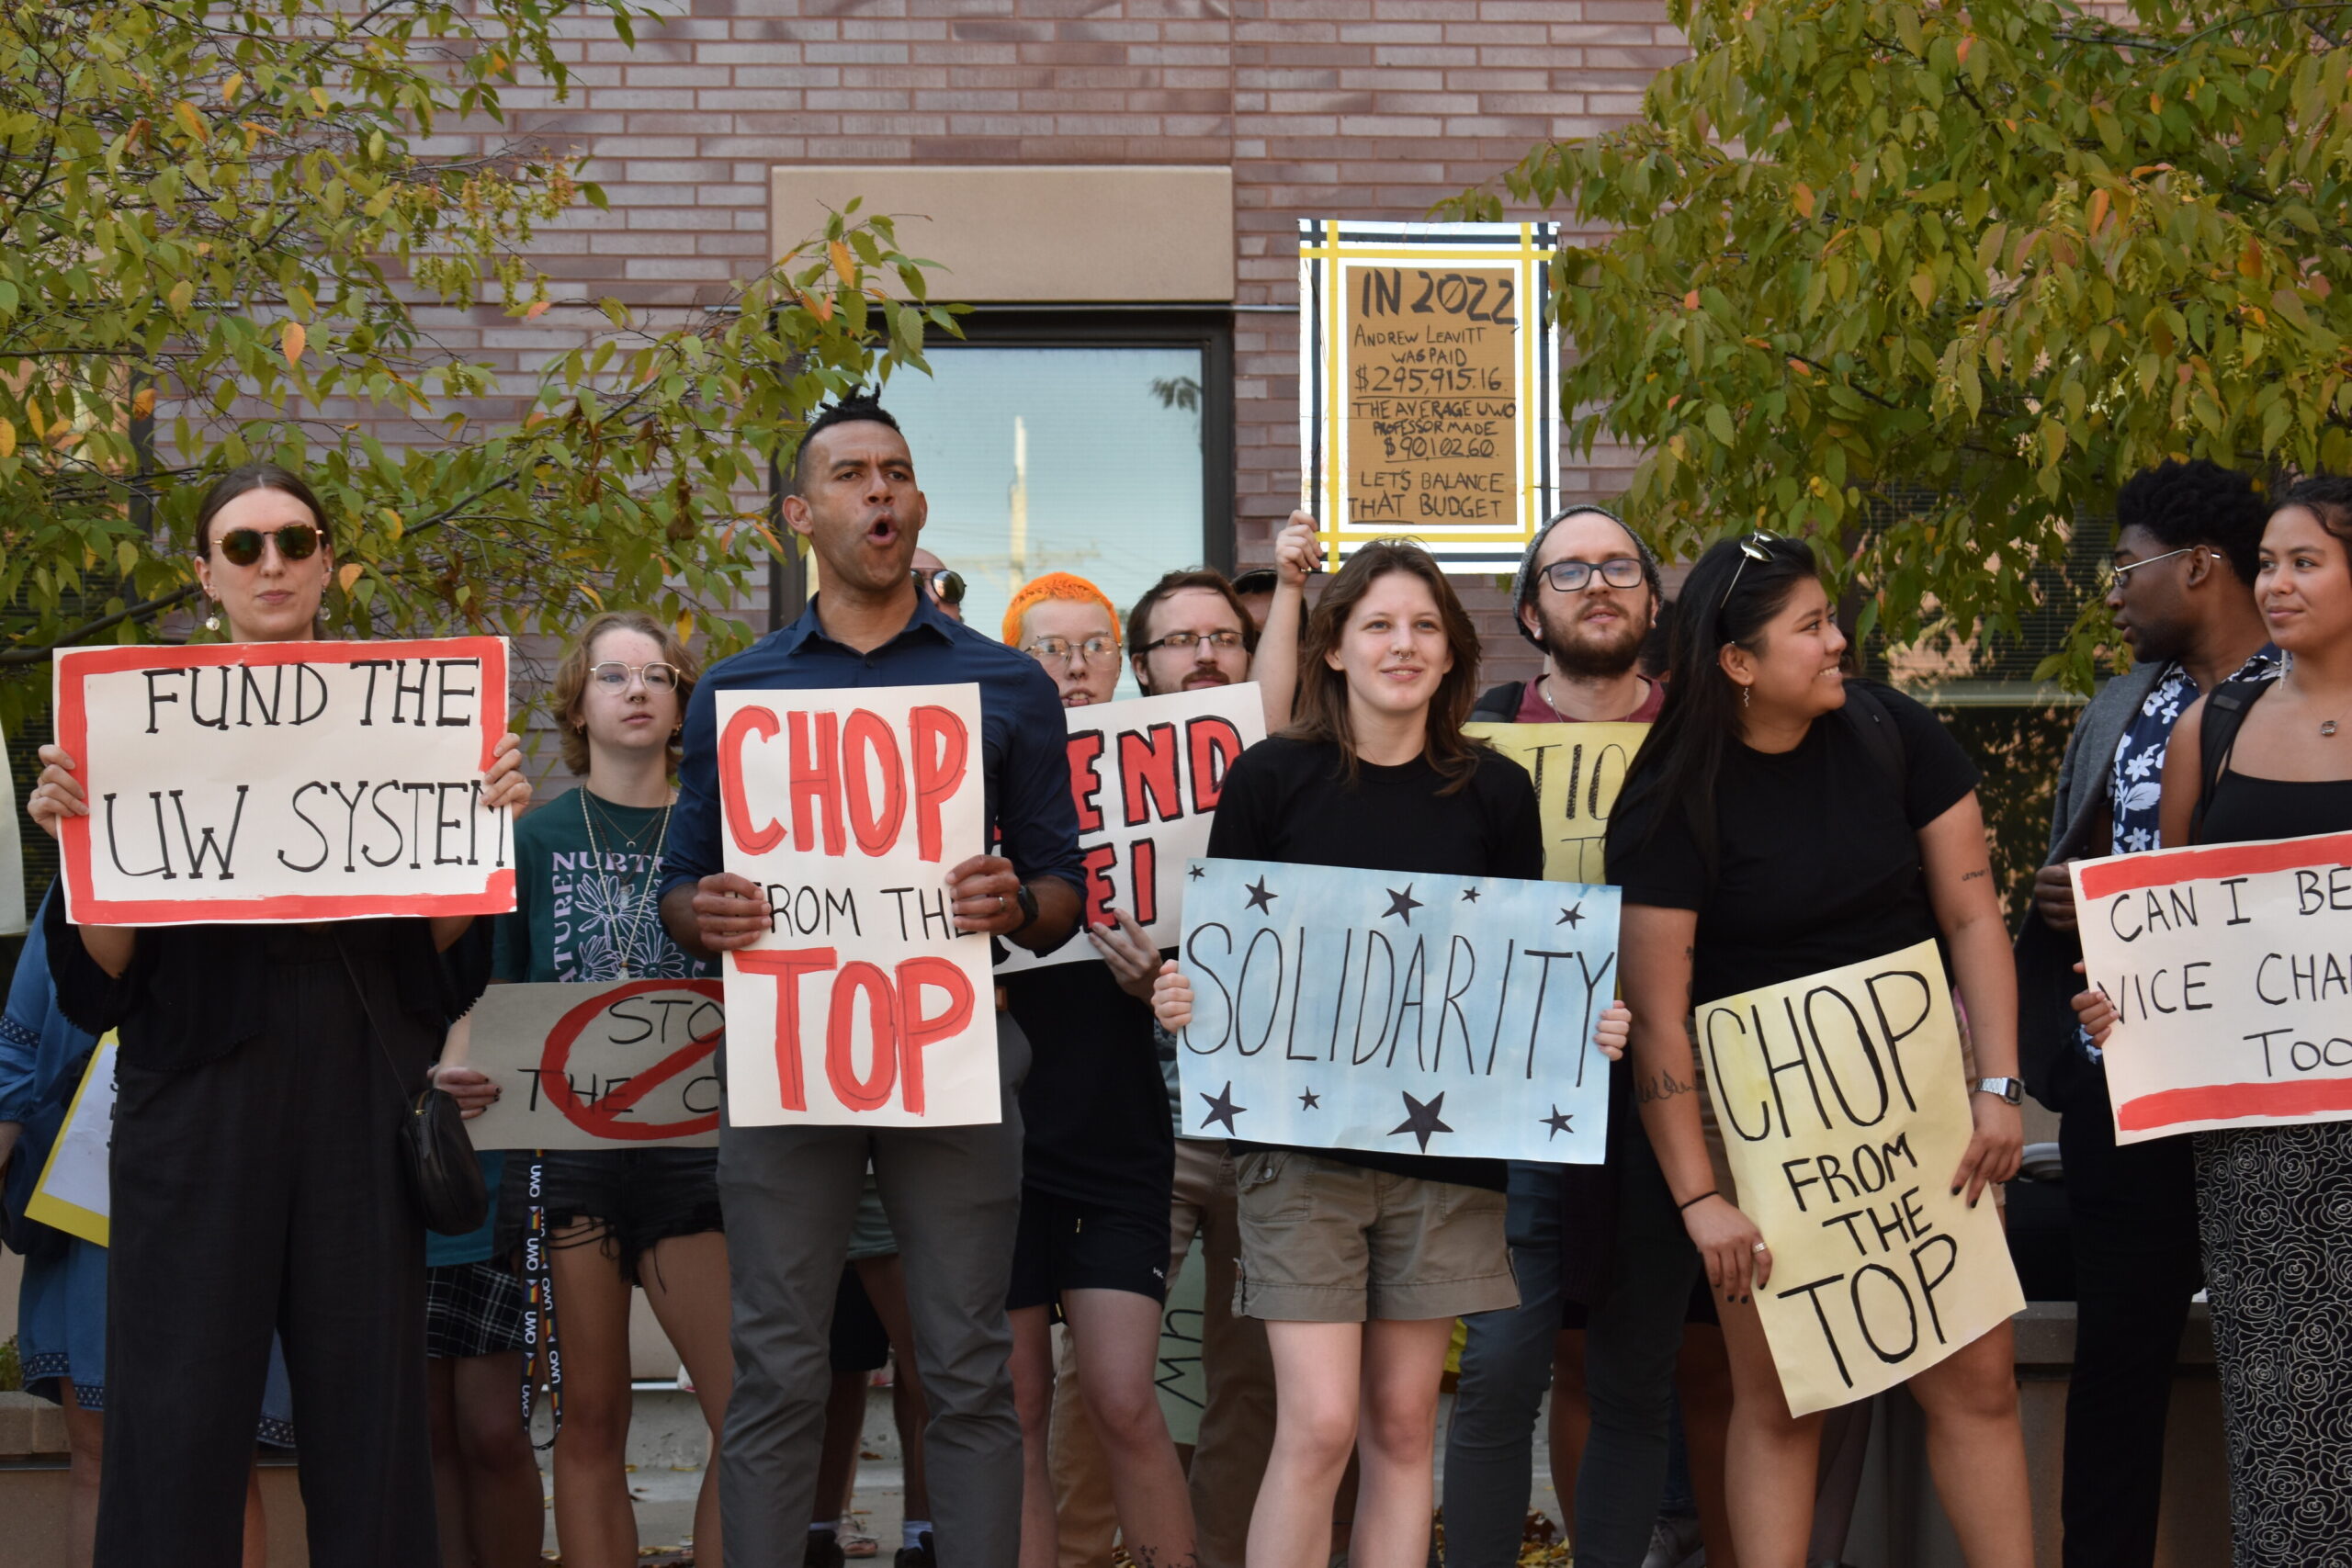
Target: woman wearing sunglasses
256, 1178
1764, 835
588, 864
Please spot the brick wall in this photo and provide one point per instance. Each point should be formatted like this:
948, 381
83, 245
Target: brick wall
1366, 108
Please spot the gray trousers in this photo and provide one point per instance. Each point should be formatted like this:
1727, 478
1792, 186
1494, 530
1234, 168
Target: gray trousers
953, 1198
1506, 1367
1633, 1337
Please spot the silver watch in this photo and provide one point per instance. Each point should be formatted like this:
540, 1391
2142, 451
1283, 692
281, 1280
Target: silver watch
2011, 1091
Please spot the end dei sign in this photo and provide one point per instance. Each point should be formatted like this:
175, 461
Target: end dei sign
862, 1003
289, 780
2230, 969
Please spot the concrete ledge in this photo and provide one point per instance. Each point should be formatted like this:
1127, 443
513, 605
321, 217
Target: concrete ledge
31, 1427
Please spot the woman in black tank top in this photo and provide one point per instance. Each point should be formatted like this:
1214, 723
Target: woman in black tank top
2271, 1199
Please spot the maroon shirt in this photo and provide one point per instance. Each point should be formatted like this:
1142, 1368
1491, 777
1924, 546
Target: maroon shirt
1533, 709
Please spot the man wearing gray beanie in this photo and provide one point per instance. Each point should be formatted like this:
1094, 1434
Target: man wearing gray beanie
1587, 593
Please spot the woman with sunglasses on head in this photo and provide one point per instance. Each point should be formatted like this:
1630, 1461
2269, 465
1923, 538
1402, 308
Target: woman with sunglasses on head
2271, 1199
1360, 1261
257, 1178
1098, 1169
588, 866
1783, 820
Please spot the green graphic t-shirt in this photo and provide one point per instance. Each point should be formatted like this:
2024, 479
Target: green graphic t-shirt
587, 872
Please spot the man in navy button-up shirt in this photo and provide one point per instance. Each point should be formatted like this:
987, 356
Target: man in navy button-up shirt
953, 1193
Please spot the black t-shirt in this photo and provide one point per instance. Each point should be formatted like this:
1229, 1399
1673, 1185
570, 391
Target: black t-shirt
1093, 1108
1816, 851
1289, 800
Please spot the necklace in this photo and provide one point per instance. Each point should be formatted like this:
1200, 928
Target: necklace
644, 899
2327, 727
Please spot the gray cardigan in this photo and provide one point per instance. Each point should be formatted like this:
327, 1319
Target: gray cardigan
2046, 958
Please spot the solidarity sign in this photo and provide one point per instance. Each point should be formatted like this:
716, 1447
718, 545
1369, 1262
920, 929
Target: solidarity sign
862, 1003
1845, 1113
1367, 1010
600, 1065
1579, 770
2230, 968
1146, 775
289, 780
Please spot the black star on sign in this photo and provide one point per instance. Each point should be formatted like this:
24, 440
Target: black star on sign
1571, 918
1558, 1123
1421, 1120
1259, 899
1196, 873
1469, 895
1309, 1100
1222, 1108
1401, 904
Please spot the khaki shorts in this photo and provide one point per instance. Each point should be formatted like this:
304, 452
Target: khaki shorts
1326, 1242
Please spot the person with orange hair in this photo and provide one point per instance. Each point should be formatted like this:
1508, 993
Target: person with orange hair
1068, 625
1098, 1171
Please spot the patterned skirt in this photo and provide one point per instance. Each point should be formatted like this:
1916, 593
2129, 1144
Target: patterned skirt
473, 1309
2275, 1211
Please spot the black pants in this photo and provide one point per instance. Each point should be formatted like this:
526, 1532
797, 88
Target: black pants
263, 1190
2134, 1213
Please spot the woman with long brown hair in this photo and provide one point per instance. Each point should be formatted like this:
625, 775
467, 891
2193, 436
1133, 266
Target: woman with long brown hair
1358, 1261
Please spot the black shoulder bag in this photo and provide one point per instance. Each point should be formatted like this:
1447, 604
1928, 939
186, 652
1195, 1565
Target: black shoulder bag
439, 1158
2217, 737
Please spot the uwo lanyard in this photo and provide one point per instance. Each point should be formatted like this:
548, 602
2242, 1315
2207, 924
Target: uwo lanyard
538, 1324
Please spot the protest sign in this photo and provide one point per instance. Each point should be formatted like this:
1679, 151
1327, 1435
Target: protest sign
2230, 969
862, 1003
74, 1193
1845, 1113
1579, 770
1146, 775
1334, 1008
618, 1063
284, 780
13, 908
1429, 386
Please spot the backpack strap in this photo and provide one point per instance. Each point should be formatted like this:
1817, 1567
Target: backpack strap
2224, 717
1498, 705
1872, 721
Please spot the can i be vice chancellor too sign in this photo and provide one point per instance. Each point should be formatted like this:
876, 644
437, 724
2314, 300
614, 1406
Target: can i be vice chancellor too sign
1429, 386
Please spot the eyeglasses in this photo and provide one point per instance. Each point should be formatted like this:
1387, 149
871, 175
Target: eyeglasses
243, 546
942, 584
1184, 642
2120, 576
1046, 649
1618, 572
1753, 547
614, 676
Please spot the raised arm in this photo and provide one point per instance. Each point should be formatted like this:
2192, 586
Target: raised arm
1655, 947
1276, 667
1968, 910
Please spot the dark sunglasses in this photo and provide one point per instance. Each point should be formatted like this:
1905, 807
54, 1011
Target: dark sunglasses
1257, 580
1752, 547
944, 585
243, 546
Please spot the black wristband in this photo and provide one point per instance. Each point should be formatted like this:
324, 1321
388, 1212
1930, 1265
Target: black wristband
1710, 1192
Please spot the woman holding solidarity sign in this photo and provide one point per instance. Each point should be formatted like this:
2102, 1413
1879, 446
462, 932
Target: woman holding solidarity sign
1764, 835
1359, 1262
256, 1178
2271, 1201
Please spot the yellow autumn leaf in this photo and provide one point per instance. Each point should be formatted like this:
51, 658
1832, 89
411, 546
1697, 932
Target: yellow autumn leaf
2250, 259
294, 340
686, 625
1801, 199
184, 112
539, 307
1923, 287
593, 597
143, 402
2097, 213
7, 439
822, 309
348, 574
319, 96
229, 88
182, 295
842, 264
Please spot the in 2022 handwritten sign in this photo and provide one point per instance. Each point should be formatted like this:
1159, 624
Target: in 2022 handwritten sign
1429, 386
1845, 1115
1408, 1013
1146, 775
605, 1065
2230, 968
1579, 770
862, 1003
288, 780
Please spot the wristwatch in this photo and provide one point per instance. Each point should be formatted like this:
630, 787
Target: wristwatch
2011, 1091
1027, 899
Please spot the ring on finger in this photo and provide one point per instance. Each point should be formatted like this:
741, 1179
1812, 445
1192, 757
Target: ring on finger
1760, 1246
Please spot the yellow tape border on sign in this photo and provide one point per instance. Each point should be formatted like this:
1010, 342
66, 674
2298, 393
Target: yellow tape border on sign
44, 1205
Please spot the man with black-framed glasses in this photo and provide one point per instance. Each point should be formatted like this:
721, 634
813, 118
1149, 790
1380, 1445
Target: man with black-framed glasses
1588, 593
